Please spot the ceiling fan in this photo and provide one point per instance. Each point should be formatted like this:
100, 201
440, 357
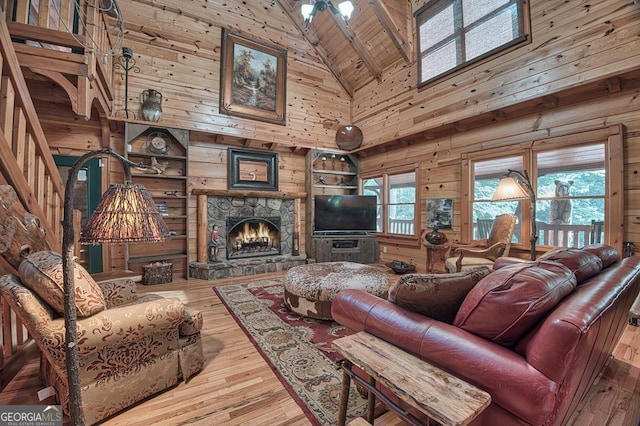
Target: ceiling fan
310, 9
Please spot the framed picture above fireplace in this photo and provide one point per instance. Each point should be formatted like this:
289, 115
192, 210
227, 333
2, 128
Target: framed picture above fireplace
253, 79
255, 170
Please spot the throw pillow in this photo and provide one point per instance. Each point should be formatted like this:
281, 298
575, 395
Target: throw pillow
606, 253
437, 296
41, 272
582, 263
506, 304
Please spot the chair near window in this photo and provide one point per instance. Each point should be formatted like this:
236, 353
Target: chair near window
483, 252
597, 232
484, 228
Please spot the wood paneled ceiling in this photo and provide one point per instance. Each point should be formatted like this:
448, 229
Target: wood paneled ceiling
379, 35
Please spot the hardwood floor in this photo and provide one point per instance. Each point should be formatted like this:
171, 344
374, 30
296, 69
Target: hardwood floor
237, 387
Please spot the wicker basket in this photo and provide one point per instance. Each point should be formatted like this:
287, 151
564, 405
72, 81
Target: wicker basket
157, 273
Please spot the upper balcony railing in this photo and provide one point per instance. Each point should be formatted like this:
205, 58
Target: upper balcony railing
69, 42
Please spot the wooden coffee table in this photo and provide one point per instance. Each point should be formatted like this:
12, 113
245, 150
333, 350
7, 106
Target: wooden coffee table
441, 396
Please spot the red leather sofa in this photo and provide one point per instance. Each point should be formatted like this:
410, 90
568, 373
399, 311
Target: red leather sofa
534, 335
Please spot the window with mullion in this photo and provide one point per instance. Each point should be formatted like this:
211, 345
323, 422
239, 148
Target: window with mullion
456, 33
396, 201
578, 181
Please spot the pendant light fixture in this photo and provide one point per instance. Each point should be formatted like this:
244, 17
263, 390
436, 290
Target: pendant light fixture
310, 9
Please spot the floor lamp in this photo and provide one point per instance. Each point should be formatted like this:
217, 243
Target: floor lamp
516, 185
126, 213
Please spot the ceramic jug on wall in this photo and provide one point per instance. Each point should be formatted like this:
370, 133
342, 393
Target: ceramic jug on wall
151, 105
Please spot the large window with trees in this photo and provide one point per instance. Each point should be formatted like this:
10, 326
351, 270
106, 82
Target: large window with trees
396, 199
578, 184
486, 175
455, 33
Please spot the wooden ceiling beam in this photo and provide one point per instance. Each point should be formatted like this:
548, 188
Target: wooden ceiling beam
298, 150
271, 146
614, 84
314, 41
399, 36
550, 101
499, 115
359, 47
105, 133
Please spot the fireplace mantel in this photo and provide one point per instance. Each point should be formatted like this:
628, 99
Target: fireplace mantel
245, 194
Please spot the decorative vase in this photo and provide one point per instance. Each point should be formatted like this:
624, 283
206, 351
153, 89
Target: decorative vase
151, 105
435, 237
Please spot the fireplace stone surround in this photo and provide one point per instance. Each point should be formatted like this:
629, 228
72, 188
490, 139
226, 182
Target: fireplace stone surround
219, 208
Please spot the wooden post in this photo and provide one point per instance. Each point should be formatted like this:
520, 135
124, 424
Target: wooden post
202, 237
295, 250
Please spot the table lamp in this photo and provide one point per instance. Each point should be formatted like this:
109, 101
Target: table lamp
515, 185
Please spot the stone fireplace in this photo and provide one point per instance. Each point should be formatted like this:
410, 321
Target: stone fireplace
254, 235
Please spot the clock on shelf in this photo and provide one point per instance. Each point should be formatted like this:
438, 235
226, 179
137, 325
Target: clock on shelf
158, 143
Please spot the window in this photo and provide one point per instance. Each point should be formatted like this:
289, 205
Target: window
455, 33
486, 175
396, 195
571, 189
578, 185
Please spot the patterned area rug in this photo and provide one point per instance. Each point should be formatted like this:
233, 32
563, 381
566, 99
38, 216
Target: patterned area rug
297, 348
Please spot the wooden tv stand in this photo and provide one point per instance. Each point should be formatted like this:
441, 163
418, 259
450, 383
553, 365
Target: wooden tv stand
358, 247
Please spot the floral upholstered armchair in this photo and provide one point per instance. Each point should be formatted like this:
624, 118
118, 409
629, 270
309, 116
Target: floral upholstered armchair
130, 346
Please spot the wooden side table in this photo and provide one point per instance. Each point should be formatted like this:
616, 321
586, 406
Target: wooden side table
441, 396
435, 251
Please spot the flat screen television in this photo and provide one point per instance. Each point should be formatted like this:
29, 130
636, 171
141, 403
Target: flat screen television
345, 213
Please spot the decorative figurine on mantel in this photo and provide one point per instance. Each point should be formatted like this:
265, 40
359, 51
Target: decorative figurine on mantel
213, 244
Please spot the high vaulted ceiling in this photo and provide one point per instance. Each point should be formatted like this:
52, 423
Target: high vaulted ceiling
379, 35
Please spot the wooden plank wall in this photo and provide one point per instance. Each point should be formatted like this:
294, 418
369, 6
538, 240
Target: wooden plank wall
574, 44
440, 160
177, 49
208, 170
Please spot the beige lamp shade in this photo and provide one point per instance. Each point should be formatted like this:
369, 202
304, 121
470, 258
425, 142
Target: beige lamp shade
126, 214
509, 189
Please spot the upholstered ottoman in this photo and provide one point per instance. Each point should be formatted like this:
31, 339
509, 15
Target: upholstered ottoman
309, 289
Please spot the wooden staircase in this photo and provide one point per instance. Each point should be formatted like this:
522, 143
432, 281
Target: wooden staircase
27, 165
26, 162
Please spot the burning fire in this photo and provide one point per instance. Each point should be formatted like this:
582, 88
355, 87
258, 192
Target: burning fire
253, 233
